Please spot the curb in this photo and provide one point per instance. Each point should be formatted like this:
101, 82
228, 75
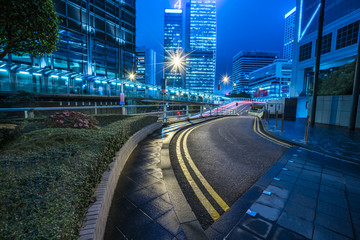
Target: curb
96, 216
187, 219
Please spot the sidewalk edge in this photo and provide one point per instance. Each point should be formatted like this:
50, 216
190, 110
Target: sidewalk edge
95, 219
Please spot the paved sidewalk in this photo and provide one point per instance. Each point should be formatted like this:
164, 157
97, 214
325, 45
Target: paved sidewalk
312, 196
141, 206
334, 140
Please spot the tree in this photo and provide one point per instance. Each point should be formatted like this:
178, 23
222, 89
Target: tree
28, 27
240, 95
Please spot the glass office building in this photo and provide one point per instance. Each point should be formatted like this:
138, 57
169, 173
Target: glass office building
201, 45
146, 66
339, 42
96, 49
289, 34
173, 42
246, 62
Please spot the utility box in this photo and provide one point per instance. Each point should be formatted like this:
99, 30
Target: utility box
290, 109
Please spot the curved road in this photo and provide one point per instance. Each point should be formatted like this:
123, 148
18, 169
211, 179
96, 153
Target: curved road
217, 162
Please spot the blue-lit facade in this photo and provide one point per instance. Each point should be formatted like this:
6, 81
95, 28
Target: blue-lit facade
95, 52
201, 45
173, 42
272, 81
289, 34
339, 44
246, 62
146, 66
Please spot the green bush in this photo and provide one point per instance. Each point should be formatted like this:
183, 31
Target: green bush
105, 120
338, 82
47, 177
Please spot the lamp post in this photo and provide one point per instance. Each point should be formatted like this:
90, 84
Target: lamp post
176, 62
122, 95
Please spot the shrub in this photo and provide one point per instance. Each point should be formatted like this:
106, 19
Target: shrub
338, 82
106, 119
47, 177
72, 119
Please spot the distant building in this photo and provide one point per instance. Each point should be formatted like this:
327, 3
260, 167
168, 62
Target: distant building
246, 62
289, 34
146, 66
339, 44
271, 81
173, 42
201, 45
95, 51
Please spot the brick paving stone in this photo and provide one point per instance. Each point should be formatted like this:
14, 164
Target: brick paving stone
272, 201
156, 208
297, 225
283, 234
308, 184
282, 184
309, 192
322, 233
266, 212
302, 200
335, 224
169, 222
153, 231
333, 198
286, 178
257, 225
280, 192
299, 211
239, 233
333, 210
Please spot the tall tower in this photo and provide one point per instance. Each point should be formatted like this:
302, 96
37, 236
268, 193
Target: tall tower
201, 45
289, 34
173, 42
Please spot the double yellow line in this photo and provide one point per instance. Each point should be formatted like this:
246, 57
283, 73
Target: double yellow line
199, 194
263, 135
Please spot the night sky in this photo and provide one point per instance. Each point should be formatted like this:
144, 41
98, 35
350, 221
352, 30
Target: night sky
242, 25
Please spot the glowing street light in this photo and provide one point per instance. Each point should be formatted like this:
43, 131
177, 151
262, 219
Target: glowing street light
132, 76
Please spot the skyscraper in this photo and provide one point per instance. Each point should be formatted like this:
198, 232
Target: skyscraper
201, 45
146, 65
289, 34
173, 42
247, 61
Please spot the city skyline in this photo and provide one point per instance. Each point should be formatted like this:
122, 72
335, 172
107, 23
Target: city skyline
269, 20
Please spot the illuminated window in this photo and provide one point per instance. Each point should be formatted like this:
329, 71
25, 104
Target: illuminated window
347, 35
305, 52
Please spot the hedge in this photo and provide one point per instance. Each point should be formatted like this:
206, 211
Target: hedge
47, 177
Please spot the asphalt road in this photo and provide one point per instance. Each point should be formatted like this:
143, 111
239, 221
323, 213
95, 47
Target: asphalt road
230, 156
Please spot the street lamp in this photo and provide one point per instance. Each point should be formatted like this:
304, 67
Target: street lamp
176, 61
132, 77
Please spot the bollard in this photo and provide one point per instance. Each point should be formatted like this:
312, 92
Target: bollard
187, 112
307, 128
282, 122
276, 118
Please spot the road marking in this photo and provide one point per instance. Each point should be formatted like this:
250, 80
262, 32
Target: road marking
199, 194
205, 183
261, 134
270, 138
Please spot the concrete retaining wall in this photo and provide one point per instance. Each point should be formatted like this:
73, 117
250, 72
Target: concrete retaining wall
335, 110
97, 213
